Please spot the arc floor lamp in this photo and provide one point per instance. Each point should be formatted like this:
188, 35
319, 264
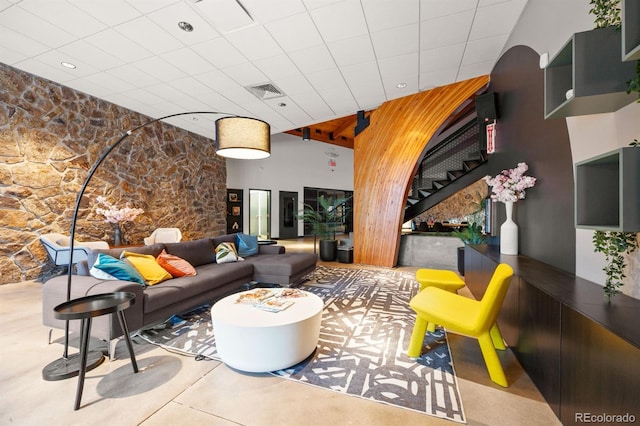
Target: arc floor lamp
236, 137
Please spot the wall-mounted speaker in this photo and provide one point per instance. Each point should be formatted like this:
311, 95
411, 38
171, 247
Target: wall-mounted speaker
486, 107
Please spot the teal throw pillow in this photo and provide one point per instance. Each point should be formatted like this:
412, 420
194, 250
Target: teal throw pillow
118, 269
247, 244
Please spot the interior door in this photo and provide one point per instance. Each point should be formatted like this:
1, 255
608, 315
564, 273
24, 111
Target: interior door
288, 225
260, 213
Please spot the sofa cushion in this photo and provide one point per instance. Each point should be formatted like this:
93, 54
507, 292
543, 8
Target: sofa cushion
226, 253
152, 249
286, 264
118, 269
148, 267
209, 277
196, 252
176, 266
247, 245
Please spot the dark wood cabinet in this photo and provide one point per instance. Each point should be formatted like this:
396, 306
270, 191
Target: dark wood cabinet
581, 350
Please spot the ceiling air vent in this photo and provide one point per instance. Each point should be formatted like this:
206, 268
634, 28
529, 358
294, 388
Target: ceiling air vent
265, 91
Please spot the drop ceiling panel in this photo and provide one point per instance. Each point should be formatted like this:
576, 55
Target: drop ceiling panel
169, 17
329, 57
220, 53
483, 50
81, 51
119, 46
255, 43
65, 15
111, 13
246, 74
339, 21
497, 19
148, 6
160, 69
277, 67
188, 61
384, 15
448, 57
445, 31
430, 9
24, 45
441, 77
306, 33
351, 51
312, 60
50, 72
327, 80
33, 26
265, 11
149, 35
134, 76
396, 41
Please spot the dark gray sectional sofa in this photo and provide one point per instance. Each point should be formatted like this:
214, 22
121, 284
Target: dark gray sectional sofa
158, 302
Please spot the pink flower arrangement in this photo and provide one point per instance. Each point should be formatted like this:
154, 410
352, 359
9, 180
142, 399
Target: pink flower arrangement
112, 214
510, 184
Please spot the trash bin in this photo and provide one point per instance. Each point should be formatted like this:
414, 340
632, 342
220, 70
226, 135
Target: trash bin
345, 254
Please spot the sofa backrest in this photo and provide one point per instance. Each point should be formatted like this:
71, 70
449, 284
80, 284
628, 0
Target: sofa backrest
196, 252
153, 249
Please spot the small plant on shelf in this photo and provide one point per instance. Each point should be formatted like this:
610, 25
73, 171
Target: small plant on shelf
607, 14
614, 245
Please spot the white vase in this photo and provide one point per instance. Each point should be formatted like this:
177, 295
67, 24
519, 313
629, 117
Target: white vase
509, 232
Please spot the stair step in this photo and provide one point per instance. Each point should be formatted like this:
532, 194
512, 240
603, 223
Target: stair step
424, 193
471, 164
454, 174
441, 183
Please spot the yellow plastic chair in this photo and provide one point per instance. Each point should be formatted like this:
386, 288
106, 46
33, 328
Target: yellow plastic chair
459, 314
441, 278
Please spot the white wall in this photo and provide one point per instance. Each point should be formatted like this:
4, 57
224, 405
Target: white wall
593, 135
293, 164
545, 26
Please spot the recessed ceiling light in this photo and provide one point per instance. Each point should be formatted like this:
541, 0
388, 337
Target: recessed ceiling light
401, 85
68, 65
185, 26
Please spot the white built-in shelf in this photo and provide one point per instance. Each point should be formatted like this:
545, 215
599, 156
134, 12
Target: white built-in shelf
630, 30
607, 195
588, 76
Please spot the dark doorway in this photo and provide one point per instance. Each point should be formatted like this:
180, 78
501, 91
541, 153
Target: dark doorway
287, 217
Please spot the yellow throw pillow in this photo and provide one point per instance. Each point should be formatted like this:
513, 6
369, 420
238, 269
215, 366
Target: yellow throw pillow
148, 267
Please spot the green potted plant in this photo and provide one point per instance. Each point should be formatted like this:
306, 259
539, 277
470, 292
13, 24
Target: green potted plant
324, 222
471, 234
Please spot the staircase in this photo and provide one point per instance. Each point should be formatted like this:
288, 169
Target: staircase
454, 163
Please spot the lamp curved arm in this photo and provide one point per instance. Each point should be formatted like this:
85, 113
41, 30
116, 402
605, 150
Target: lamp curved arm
92, 171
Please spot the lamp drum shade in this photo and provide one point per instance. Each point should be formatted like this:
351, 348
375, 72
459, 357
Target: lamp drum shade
243, 138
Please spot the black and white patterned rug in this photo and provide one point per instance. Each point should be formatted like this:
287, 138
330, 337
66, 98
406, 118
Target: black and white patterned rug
364, 336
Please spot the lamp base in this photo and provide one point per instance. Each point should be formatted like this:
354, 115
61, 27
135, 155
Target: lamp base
64, 368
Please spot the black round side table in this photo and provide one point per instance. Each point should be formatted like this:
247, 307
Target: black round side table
85, 308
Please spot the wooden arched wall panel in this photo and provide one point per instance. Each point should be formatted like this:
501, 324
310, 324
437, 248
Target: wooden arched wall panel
385, 157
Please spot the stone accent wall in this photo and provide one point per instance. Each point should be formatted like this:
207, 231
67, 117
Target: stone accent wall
50, 136
460, 205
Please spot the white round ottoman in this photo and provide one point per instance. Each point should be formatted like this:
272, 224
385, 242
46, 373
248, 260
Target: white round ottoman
250, 339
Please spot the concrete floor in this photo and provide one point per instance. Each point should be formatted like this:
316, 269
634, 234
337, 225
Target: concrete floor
171, 389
